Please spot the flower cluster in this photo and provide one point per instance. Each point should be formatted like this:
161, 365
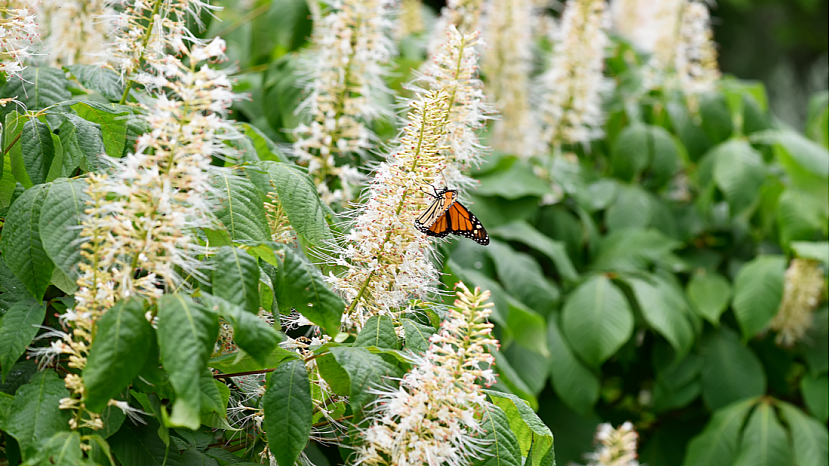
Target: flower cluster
73, 32
434, 417
507, 65
464, 15
616, 447
570, 108
696, 60
138, 228
17, 29
150, 29
650, 26
454, 70
385, 257
411, 20
352, 48
803, 288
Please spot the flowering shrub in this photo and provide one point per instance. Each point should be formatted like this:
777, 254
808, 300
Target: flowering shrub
209, 251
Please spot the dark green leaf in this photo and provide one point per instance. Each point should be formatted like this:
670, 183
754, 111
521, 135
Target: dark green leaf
236, 278
417, 336
678, 384
596, 320
527, 327
665, 312
378, 331
365, 370
38, 88
764, 441
265, 148
241, 210
800, 216
241, 362
632, 208
534, 437
101, 79
809, 437
816, 393
555, 250
523, 278
112, 123
81, 141
186, 334
140, 445
122, 343
60, 218
251, 333
630, 153
738, 172
759, 287
17, 329
513, 183
503, 447
288, 411
35, 415
633, 249
574, 383
717, 445
303, 288
731, 371
709, 293
34, 152
62, 449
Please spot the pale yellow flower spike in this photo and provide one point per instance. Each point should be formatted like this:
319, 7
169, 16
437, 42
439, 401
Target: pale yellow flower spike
803, 287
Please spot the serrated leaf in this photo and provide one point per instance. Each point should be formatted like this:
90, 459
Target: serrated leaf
534, 437
33, 153
738, 172
38, 88
503, 448
298, 197
709, 293
186, 334
265, 148
717, 444
417, 336
764, 441
288, 411
250, 333
35, 415
98, 78
378, 331
630, 153
302, 287
632, 208
241, 211
365, 370
17, 329
731, 371
242, 362
665, 312
809, 437
140, 445
62, 449
112, 123
81, 141
236, 278
596, 320
60, 218
121, 346
574, 383
759, 287
523, 278
524, 233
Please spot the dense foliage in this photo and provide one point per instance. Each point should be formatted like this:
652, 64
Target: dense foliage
671, 273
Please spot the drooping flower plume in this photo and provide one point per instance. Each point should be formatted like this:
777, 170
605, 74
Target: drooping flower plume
433, 418
352, 48
615, 447
385, 257
507, 65
571, 107
803, 288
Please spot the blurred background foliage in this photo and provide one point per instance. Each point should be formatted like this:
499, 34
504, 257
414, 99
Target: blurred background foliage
618, 232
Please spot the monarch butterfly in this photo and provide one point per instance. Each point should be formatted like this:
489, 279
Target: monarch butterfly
445, 215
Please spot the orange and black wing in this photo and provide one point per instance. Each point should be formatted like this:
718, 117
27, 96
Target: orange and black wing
433, 221
460, 221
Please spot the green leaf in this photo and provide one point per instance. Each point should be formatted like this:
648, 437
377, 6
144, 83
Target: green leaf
808, 436
523, 278
515, 182
731, 371
140, 445
62, 449
502, 445
112, 122
630, 153
298, 198
302, 287
527, 327
596, 320
534, 437
574, 383
6, 401
81, 141
678, 384
212, 400
241, 210
717, 444
17, 329
365, 370
186, 334
815, 345
759, 287
764, 441
242, 362
818, 118
716, 119
236, 278
739, 173
60, 218
633, 249
819, 251
378, 331
288, 411
121, 346
632, 208
806, 153
251, 333
800, 216
38, 88
709, 294
524, 233
816, 392
35, 415
265, 148
509, 380
33, 153
665, 312
104, 80
417, 336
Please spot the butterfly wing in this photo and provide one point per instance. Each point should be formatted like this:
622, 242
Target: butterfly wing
433, 221
462, 222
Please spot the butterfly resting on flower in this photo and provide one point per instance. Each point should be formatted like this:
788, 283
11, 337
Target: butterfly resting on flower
446, 215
